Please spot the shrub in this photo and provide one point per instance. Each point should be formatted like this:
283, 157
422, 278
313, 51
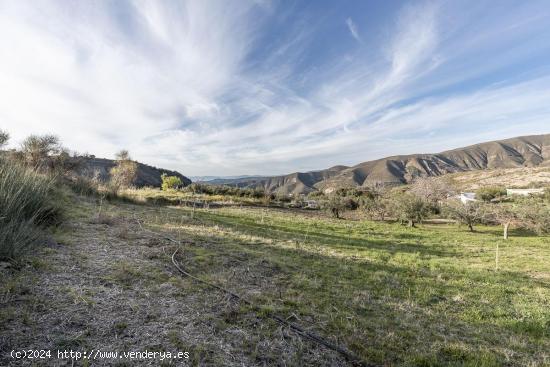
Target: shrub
490, 193
125, 172
36, 149
4, 137
170, 182
82, 185
376, 207
26, 206
334, 204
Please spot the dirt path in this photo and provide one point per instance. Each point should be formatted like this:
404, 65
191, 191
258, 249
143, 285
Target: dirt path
108, 286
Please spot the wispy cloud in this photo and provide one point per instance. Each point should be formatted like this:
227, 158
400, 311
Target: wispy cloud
242, 88
353, 29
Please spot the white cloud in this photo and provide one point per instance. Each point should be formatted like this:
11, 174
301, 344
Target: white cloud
174, 83
353, 29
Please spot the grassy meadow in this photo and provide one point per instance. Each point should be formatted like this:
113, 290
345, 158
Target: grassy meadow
394, 296
427, 296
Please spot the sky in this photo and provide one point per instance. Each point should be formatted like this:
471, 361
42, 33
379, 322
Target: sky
273, 87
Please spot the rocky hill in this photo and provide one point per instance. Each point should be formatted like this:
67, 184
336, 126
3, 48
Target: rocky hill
526, 151
146, 175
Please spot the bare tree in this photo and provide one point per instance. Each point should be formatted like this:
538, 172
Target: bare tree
123, 155
432, 190
469, 213
507, 215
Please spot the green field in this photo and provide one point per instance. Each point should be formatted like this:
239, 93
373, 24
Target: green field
394, 296
425, 296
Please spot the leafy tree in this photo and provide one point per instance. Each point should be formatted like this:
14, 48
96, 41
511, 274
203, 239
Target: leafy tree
535, 214
334, 204
124, 173
170, 182
38, 149
409, 208
4, 138
469, 213
376, 207
490, 193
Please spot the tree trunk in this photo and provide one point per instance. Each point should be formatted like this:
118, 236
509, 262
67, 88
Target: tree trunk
470, 227
411, 223
496, 257
506, 226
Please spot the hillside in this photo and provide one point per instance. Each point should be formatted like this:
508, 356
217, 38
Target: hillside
526, 151
523, 177
146, 175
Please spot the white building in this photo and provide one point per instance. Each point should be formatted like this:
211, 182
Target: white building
467, 197
311, 204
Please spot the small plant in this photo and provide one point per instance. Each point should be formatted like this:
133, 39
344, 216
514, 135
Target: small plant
170, 182
124, 173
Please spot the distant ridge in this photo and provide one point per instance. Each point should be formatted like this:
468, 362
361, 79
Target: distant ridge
146, 175
525, 151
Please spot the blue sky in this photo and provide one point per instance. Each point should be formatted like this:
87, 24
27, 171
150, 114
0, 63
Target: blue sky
271, 87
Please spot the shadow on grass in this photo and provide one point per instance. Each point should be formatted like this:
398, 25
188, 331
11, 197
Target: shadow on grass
392, 314
407, 313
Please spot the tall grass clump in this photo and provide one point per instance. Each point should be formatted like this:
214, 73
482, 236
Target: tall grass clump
26, 208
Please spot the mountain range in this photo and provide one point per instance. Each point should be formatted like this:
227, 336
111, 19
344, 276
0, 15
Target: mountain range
525, 151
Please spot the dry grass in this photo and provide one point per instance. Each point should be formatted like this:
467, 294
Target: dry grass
511, 178
105, 291
395, 296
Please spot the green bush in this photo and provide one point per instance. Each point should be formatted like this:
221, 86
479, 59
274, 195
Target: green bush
26, 206
490, 193
206, 189
410, 208
170, 182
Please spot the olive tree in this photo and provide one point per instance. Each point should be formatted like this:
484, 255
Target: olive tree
410, 208
469, 213
376, 207
334, 204
535, 213
490, 193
